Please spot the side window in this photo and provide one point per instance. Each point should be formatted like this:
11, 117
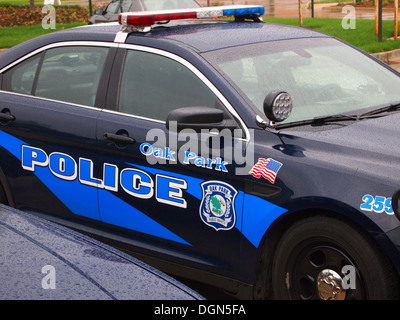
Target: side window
71, 74
153, 85
20, 79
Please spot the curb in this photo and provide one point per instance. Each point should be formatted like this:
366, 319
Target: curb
338, 9
388, 56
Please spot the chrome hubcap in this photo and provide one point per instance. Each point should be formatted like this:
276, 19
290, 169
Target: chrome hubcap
330, 285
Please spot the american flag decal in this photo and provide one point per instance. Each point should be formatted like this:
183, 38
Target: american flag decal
267, 168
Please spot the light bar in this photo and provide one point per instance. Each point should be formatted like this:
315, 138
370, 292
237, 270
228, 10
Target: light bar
148, 18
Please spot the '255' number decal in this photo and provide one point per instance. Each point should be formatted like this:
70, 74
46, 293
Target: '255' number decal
377, 204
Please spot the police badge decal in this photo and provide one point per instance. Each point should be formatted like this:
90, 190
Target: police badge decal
217, 207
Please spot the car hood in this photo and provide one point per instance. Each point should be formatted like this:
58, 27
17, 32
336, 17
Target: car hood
371, 146
42, 260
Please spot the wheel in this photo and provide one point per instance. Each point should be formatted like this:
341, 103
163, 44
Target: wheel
325, 258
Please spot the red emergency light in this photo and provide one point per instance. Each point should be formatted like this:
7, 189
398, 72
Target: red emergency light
148, 18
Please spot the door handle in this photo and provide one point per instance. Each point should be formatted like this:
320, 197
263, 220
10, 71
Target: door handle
6, 117
118, 138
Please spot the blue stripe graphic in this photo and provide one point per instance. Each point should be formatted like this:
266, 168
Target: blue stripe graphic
82, 200
119, 213
258, 214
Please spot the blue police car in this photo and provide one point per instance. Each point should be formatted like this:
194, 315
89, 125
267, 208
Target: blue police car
260, 158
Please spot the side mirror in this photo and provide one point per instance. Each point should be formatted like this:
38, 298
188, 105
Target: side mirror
198, 118
277, 106
99, 11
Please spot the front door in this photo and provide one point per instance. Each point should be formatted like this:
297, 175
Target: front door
167, 194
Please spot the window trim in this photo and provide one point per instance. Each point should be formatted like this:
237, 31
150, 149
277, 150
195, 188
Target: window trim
47, 99
60, 44
161, 52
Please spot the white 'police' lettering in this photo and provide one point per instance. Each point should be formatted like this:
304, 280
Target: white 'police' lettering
134, 182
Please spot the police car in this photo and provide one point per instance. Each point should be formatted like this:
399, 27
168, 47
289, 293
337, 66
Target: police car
260, 158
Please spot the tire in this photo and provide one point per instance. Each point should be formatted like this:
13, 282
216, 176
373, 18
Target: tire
325, 258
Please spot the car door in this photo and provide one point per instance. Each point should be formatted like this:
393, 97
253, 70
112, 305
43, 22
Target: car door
166, 193
48, 129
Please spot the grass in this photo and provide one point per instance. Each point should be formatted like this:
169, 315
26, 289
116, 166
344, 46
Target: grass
10, 36
363, 36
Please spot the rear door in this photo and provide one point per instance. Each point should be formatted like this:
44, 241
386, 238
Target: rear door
48, 129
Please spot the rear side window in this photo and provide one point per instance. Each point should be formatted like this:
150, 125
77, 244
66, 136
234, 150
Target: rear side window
152, 85
70, 74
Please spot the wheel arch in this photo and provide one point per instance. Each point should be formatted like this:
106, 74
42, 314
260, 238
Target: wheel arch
349, 215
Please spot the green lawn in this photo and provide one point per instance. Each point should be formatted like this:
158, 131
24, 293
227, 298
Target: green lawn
10, 36
363, 36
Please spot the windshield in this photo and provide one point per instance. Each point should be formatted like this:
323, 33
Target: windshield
323, 76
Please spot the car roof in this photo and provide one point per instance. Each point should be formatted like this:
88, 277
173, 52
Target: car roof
199, 35
224, 34
84, 268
